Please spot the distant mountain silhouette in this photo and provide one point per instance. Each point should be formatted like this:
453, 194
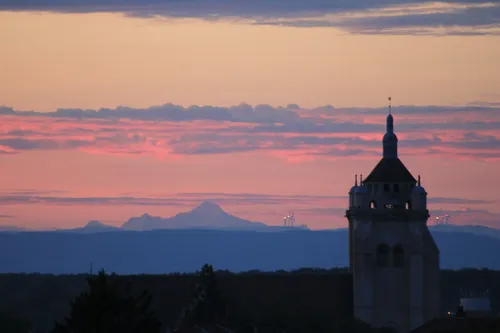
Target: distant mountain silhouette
94, 224
11, 228
208, 215
167, 251
143, 222
92, 227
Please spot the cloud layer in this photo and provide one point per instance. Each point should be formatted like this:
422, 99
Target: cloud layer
309, 208
172, 131
465, 17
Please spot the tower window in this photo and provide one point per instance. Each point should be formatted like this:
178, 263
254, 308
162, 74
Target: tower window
387, 188
373, 204
369, 187
408, 205
383, 255
396, 187
398, 256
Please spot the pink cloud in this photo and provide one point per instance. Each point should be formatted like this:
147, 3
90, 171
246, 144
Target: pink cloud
296, 135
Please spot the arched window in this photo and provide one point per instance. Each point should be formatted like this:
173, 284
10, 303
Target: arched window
398, 256
408, 205
383, 255
373, 204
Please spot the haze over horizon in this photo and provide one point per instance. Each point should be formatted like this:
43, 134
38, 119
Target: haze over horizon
274, 107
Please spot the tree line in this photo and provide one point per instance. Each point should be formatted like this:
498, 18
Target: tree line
306, 300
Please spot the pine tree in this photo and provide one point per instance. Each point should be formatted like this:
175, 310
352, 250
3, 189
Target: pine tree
210, 306
207, 305
104, 309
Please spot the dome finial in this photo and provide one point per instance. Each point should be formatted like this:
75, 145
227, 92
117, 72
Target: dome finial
360, 179
356, 180
390, 120
418, 180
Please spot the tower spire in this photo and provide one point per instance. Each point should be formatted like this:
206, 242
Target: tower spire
390, 141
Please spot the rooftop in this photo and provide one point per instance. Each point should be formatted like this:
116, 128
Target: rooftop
460, 324
390, 170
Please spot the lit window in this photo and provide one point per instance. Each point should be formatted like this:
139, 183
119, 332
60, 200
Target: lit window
408, 205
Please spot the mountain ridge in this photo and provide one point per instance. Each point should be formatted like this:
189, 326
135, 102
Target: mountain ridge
209, 215
205, 215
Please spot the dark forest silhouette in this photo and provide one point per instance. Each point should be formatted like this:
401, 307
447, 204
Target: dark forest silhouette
14, 324
306, 300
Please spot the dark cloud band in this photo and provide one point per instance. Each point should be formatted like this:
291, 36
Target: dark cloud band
190, 199
404, 16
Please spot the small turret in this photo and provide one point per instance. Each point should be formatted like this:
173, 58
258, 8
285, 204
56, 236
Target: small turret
361, 194
419, 197
352, 191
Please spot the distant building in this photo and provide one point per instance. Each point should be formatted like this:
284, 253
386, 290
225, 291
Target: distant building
476, 305
393, 258
473, 315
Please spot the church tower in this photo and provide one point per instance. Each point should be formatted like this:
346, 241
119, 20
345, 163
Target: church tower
393, 258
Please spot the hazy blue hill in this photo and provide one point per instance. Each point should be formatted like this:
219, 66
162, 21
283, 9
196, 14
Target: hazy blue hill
11, 228
474, 229
168, 251
164, 251
467, 250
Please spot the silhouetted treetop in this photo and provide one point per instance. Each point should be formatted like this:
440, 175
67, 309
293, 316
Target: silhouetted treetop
106, 309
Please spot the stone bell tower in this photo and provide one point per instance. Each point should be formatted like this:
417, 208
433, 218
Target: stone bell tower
393, 258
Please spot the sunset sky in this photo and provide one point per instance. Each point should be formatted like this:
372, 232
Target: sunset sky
112, 109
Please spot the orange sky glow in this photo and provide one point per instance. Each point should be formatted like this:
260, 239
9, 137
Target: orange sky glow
107, 116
